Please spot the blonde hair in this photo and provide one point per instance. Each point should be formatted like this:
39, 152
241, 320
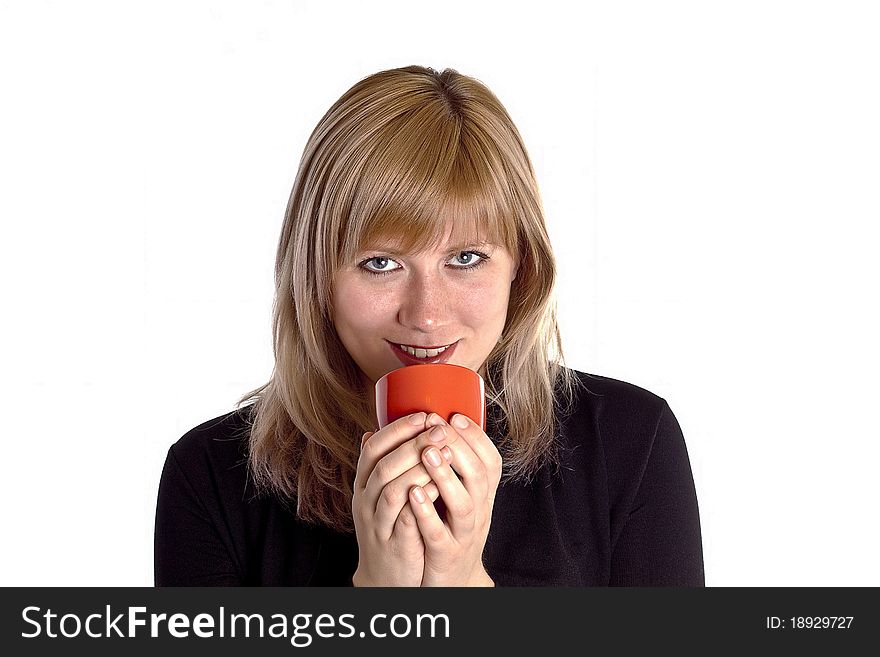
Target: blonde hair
398, 154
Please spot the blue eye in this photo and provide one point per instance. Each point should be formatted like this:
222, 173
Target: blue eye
378, 259
470, 254
465, 264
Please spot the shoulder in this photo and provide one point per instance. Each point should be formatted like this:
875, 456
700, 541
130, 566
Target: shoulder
219, 444
619, 419
625, 424
611, 401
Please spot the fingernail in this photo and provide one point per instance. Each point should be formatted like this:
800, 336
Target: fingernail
418, 418
364, 438
460, 421
433, 457
437, 434
419, 494
435, 419
447, 453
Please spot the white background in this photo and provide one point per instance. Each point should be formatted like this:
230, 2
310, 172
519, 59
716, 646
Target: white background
710, 177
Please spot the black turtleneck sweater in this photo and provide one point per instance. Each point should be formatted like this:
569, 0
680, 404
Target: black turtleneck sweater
620, 511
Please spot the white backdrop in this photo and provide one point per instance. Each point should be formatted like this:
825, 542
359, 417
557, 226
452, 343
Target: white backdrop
710, 177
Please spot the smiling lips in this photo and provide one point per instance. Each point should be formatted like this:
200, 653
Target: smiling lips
409, 355
426, 352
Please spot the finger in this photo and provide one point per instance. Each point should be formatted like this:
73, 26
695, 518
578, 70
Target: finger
470, 469
485, 450
431, 489
394, 497
432, 529
406, 526
460, 506
465, 462
475, 436
383, 441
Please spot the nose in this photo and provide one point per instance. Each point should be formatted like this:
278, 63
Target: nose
425, 304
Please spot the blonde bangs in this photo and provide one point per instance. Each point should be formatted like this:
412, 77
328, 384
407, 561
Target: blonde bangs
427, 182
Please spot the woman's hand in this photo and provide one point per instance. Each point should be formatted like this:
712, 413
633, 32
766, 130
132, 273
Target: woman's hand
390, 547
454, 547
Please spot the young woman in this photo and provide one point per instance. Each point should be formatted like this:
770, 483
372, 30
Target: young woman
415, 222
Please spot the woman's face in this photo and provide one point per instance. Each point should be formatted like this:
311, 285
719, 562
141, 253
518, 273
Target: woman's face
455, 295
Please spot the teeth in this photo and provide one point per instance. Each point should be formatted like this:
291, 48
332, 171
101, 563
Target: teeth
423, 353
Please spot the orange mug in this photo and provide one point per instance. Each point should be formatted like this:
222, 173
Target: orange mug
440, 388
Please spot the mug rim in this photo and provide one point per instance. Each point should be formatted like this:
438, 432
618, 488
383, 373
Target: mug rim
423, 365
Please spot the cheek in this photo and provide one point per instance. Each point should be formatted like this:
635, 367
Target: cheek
361, 307
377, 308
483, 304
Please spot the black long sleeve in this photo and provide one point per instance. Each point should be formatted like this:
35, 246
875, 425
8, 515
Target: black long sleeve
621, 510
